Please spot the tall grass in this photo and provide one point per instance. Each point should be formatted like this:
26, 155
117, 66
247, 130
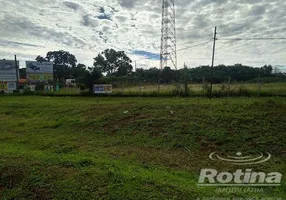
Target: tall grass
178, 90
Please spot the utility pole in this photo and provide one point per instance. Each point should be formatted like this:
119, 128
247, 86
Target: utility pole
259, 84
186, 83
17, 73
212, 67
135, 72
159, 81
137, 78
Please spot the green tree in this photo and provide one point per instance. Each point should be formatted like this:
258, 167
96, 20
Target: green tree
267, 71
94, 75
80, 74
113, 63
22, 72
168, 75
63, 64
41, 59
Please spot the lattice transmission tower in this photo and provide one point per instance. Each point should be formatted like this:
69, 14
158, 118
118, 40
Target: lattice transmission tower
168, 55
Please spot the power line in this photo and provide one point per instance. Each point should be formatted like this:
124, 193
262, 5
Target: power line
224, 39
199, 58
195, 45
226, 50
184, 43
200, 44
238, 39
229, 39
150, 57
188, 41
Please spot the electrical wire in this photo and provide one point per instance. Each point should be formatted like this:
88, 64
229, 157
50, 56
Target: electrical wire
200, 44
195, 45
238, 39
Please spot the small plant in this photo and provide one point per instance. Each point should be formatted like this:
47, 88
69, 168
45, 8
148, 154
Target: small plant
223, 87
206, 87
243, 91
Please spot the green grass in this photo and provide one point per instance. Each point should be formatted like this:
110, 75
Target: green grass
270, 89
195, 90
132, 148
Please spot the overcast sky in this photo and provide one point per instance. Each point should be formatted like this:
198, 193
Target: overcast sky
87, 27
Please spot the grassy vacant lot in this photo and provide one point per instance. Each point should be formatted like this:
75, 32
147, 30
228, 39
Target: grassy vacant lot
235, 89
219, 90
133, 148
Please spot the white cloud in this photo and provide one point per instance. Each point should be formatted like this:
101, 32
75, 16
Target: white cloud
87, 27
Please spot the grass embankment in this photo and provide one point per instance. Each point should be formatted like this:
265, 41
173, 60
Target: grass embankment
76, 148
194, 90
197, 90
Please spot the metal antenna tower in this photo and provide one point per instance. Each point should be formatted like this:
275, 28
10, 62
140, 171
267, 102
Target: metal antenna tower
168, 55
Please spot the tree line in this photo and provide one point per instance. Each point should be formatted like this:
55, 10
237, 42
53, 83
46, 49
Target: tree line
111, 66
